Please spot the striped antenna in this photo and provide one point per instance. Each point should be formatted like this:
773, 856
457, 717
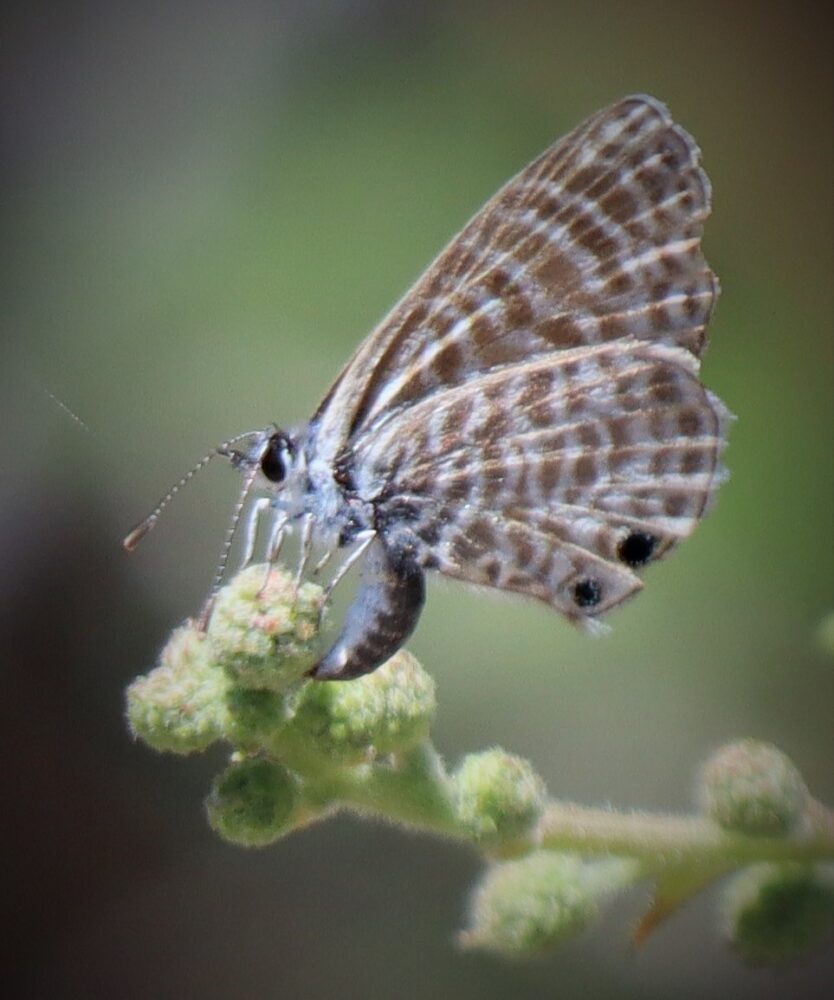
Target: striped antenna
138, 533
65, 409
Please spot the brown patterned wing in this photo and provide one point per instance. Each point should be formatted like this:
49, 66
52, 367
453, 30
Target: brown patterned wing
598, 240
556, 478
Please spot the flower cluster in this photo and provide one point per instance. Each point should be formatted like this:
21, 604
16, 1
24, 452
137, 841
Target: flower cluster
300, 750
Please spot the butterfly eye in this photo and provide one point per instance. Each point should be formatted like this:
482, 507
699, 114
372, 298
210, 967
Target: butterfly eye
273, 465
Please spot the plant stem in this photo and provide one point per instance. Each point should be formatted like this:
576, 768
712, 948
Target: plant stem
412, 789
670, 838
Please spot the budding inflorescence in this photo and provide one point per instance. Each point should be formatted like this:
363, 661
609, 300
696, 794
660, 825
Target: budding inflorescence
301, 749
529, 905
179, 706
752, 787
296, 744
263, 629
776, 913
499, 798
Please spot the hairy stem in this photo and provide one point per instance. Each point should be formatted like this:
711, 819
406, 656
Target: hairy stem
412, 788
415, 789
663, 838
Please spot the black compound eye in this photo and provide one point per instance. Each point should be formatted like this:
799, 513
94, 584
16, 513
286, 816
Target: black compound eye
637, 548
272, 460
587, 593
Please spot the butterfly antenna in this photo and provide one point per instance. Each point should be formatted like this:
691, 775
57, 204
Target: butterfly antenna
223, 562
59, 403
65, 409
135, 537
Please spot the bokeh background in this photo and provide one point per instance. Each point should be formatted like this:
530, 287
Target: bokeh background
206, 206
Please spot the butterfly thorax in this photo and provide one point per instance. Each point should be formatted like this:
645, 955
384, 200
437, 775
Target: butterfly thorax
287, 469
330, 497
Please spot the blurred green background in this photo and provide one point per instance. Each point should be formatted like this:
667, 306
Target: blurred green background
206, 206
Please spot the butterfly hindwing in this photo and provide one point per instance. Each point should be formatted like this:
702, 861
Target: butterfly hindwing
534, 478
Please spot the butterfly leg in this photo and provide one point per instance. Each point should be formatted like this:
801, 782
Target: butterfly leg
363, 540
306, 547
276, 537
325, 559
383, 614
273, 545
252, 523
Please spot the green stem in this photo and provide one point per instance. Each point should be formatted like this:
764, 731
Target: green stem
413, 789
661, 839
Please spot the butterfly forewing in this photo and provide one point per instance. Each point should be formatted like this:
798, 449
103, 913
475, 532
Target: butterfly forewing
533, 404
597, 240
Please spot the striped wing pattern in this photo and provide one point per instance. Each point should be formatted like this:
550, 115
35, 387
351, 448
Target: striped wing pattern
531, 412
598, 239
533, 478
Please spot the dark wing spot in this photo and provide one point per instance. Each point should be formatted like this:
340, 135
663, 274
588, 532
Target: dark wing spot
492, 571
637, 548
429, 533
587, 593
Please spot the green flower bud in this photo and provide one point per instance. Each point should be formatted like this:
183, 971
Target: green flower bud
253, 802
263, 630
499, 797
385, 712
753, 788
254, 716
178, 707
527, 906
778, 912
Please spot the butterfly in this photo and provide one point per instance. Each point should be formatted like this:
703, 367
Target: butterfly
529, 417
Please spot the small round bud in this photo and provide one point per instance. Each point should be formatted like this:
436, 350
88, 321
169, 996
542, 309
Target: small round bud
254, 716
527, 906
385, 712
263, 629
775, 913
753, 788
252, 802
499, 797
179, 706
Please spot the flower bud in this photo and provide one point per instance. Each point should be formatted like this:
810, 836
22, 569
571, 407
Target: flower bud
778, 912
753, 788
253, 802
387, 711
499, 797
254, 716
263, 629
527, 906
178, 706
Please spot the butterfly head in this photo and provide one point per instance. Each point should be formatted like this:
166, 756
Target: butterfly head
271, 458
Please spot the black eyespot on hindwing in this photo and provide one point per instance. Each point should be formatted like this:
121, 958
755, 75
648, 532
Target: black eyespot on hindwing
587, 593
636, 549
